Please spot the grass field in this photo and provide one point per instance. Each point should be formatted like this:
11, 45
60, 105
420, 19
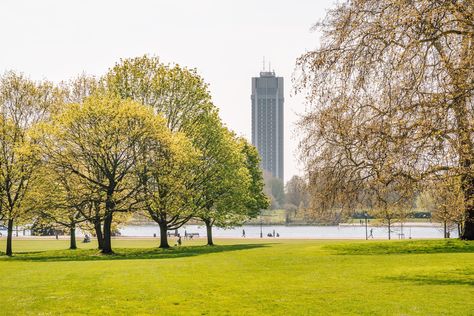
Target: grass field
240, 277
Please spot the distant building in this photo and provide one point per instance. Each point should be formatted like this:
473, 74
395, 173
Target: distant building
267, 121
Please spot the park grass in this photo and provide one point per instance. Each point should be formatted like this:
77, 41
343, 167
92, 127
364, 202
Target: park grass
240, 277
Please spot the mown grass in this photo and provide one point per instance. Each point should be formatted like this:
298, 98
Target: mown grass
404, 247
240, 277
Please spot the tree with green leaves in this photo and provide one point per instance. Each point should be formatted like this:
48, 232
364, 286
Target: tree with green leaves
180, 96
223, 181
55, 203
258, 199
165, 175
99, 142
23, 103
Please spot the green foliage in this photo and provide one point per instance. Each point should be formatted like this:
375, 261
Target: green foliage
23, 103
221, 185
179, 94
223, 180
166, 175
258, 200
144, 138
98, 144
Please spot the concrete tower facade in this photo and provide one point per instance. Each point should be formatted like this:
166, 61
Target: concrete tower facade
267, 121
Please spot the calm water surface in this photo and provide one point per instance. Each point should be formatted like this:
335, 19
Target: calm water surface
310, 232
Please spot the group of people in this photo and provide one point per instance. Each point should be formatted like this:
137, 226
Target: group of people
268, 235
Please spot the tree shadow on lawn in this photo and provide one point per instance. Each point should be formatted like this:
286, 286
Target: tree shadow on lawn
125, 253
456, 277
404, 247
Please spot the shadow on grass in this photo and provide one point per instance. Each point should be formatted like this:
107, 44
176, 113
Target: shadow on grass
125, 253
456, 277
404, 247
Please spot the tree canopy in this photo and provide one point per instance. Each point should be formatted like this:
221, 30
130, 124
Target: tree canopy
391, 94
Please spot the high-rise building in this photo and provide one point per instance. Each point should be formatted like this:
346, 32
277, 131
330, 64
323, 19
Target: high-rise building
267, 121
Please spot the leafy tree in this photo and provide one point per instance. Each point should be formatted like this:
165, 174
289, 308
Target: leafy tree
258, 199
165, 176
99, 142
181, 97
55, 203
391, 83
178, 94
222, 185
79, 88
23, 104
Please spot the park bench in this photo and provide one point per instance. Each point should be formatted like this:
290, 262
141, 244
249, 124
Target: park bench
191, 235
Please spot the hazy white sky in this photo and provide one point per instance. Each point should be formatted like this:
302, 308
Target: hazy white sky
225, 40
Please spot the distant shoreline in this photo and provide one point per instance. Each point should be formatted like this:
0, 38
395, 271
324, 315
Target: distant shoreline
378, 224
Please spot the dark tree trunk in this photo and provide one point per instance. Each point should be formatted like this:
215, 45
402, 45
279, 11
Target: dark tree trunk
209, 233
73, 237
468, 233
9, 251
98, 233
389, 230
164, 235
445, 230
107, 241
468, 227
465, 152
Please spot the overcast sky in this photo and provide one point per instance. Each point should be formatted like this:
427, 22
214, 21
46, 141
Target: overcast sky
225, 40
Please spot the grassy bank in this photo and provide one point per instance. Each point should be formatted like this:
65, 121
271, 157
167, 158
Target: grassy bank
240, 277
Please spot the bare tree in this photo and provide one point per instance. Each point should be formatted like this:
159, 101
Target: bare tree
444, 199
391, 94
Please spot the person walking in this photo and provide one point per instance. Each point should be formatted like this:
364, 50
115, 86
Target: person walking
371, 235
243, 233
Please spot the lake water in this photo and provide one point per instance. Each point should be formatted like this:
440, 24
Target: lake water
301, 232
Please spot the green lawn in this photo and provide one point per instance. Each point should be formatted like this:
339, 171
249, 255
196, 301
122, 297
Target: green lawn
240, 277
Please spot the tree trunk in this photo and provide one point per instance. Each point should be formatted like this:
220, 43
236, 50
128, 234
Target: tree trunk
164, 235
9, 251
209, 233
98, 233
73, 237
466, 152
389, 230
107, 241
468, 227
445, 230
467, 185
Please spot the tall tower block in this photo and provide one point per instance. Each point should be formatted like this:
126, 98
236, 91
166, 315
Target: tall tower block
267, 121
